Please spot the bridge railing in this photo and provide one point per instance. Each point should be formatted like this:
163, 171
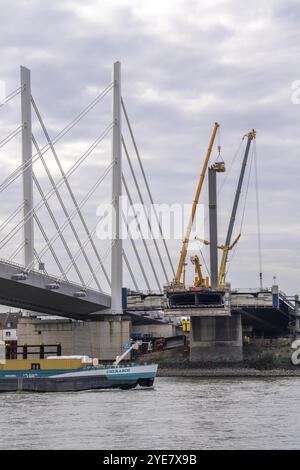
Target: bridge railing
251, 290
49, 277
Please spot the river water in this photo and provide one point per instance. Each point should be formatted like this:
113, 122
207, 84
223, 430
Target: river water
178, 413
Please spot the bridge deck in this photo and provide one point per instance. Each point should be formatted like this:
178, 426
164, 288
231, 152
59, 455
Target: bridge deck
34, 293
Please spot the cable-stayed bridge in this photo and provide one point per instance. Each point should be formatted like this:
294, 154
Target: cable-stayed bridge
83, 285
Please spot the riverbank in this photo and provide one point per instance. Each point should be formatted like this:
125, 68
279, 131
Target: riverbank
267, 358
228, 372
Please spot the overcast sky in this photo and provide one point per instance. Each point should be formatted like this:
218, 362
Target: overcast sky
185, 65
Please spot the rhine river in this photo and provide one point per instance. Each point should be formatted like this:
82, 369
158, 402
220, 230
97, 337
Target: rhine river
178, 413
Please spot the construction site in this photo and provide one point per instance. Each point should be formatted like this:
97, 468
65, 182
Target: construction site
209, 319
221, 321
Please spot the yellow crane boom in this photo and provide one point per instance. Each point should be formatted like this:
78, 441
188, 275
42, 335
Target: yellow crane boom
185, 243
226, 249
200, 281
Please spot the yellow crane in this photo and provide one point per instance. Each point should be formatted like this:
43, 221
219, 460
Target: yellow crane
225, 250
222, 270
228, 245
177, 280
199, 281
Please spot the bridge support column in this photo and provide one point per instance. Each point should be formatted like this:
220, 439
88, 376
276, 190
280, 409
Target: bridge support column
213, 227
216, 339
27, 169
116, 253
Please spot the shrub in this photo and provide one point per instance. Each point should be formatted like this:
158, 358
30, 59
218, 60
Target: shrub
265, 361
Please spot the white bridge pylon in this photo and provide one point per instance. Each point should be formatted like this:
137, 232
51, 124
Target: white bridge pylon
18, 278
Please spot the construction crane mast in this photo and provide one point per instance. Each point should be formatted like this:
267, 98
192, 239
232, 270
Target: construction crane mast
177, 280
228, 246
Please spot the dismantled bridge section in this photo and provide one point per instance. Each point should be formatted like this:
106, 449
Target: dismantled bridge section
220, 319
266, 312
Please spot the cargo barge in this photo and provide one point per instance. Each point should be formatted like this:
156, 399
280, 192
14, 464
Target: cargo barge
71, 374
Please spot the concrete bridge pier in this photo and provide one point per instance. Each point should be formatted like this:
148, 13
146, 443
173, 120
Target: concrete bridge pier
216, 339
101, 339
